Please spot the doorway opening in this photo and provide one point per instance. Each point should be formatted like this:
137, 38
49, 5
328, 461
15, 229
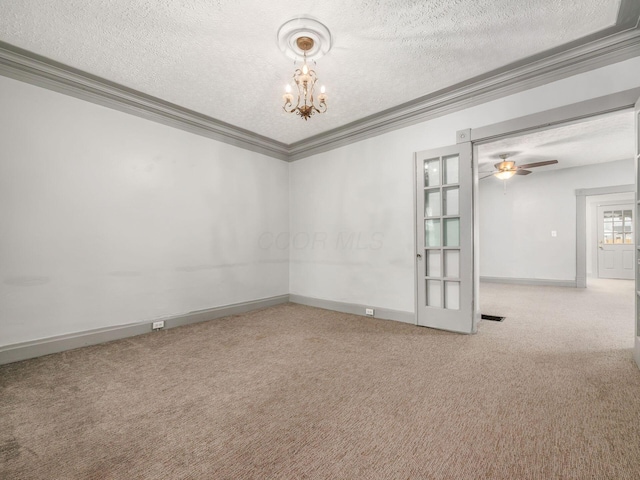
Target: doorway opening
529, 227
532, 239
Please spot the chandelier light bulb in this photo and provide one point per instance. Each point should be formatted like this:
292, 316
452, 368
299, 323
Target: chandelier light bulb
288, 96
322, 98
305, 69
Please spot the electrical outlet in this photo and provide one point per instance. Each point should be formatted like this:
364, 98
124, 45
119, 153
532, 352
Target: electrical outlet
158, 325
554, 233
369, 312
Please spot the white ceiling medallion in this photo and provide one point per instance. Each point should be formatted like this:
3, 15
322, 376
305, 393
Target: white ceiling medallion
291, 31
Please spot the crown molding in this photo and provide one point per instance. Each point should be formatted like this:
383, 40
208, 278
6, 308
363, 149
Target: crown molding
475, 92
28, 67
614, 44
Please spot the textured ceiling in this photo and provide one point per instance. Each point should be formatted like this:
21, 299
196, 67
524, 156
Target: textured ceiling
604, 139
220, 57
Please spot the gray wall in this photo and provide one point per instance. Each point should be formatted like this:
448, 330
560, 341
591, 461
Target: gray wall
110, 219
516, 225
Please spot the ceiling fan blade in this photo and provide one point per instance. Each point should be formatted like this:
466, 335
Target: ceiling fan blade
522, 172
538, 164
487, 175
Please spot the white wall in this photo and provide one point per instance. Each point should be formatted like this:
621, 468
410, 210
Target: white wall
366, 188
109, 219
516, 225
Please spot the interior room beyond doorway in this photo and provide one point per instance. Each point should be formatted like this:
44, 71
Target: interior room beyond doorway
527, 222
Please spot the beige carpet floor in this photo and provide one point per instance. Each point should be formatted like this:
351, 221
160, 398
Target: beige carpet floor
295, 392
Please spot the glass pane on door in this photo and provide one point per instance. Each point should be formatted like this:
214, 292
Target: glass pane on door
452, 232
434, 293
452, 295
451, 201
452, 263
627, 217
432, 172
451, 167
432, 203
433, 263
432, 233
608, 227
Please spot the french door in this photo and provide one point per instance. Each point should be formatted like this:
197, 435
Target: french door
444, 240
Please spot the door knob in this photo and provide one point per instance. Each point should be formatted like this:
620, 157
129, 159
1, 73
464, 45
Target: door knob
419, 256
600, 246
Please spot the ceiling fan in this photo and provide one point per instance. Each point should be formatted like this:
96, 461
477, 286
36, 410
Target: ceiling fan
507, 169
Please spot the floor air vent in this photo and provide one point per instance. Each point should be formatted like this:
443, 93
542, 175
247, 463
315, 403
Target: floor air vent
493, 318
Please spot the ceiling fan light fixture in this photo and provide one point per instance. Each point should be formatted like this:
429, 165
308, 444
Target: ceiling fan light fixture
507, 168
505, 174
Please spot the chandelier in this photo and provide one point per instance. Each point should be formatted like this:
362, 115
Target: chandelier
308, 39
305, 80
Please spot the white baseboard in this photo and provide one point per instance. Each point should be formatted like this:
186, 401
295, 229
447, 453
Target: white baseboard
38, 348
530, 281
354, 308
